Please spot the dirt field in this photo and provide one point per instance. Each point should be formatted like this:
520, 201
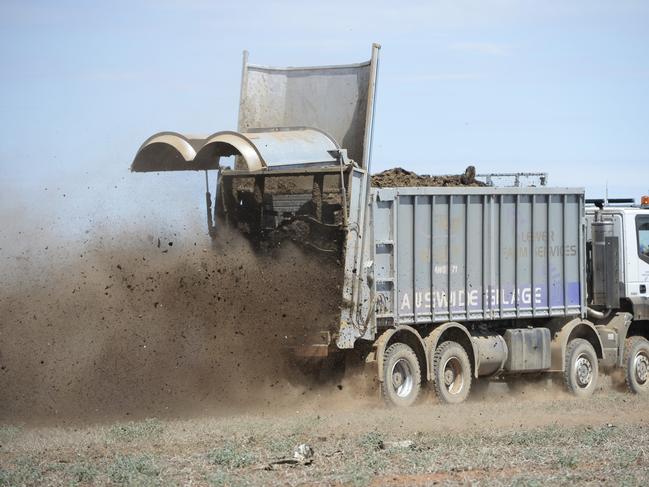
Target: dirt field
505, 439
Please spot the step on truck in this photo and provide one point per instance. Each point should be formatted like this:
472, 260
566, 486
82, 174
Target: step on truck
440, 286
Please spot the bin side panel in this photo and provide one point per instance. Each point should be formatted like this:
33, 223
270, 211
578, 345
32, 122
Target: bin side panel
478, 256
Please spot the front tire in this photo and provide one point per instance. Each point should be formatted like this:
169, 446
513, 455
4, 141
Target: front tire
401, 376
451, 373
581, 368
636, 364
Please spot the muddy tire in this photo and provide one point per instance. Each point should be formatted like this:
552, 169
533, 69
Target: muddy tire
401, 376
581, 368
451, 373
636, 365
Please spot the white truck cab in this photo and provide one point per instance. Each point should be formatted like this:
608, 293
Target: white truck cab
630, 225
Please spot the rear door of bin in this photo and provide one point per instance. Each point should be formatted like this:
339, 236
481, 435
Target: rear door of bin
336, 99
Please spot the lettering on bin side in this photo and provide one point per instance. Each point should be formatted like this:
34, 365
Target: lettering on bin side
507, 298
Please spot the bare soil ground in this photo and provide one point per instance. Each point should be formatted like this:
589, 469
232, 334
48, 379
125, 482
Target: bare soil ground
538, 437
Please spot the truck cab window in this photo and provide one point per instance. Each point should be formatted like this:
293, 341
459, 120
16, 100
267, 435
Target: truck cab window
642, 225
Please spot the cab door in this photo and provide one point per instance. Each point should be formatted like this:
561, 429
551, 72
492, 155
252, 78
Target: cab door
642, 252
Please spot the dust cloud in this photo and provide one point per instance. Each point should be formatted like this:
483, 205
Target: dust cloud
124, 326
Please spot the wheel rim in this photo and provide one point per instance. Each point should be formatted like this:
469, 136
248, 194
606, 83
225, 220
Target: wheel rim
402, 378
583, 371
453, 377
641, 367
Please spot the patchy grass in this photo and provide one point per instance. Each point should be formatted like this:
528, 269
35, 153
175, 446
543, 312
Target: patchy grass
562, 456
82, 473
134, 470
578, 443
226, 479
567, 460
281, 444
594, 437
8, 433
371, 441
26, 471
230, 455
149, 429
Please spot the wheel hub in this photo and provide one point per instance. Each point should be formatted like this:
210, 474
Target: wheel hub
402, 378
583, 371
641, 367
449, 377
453, 379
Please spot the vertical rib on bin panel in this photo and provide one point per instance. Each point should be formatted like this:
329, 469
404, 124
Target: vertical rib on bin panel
422, 235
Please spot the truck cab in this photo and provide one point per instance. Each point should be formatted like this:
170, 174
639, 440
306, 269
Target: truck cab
629, 226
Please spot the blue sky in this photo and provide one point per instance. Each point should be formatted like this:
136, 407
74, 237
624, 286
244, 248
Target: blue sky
554, 86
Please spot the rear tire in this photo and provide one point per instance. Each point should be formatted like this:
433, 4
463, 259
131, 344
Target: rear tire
401, 376
636, 364
451, 373
581, 368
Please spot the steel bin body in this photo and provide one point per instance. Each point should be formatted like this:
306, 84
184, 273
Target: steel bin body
476, 254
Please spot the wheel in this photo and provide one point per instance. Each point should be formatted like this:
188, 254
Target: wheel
401, 375
636, 364
451, 373
581, 368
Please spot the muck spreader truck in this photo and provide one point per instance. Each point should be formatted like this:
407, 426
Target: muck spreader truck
439, 285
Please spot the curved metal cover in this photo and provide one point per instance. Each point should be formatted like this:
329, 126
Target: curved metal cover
260, 149
167, 151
